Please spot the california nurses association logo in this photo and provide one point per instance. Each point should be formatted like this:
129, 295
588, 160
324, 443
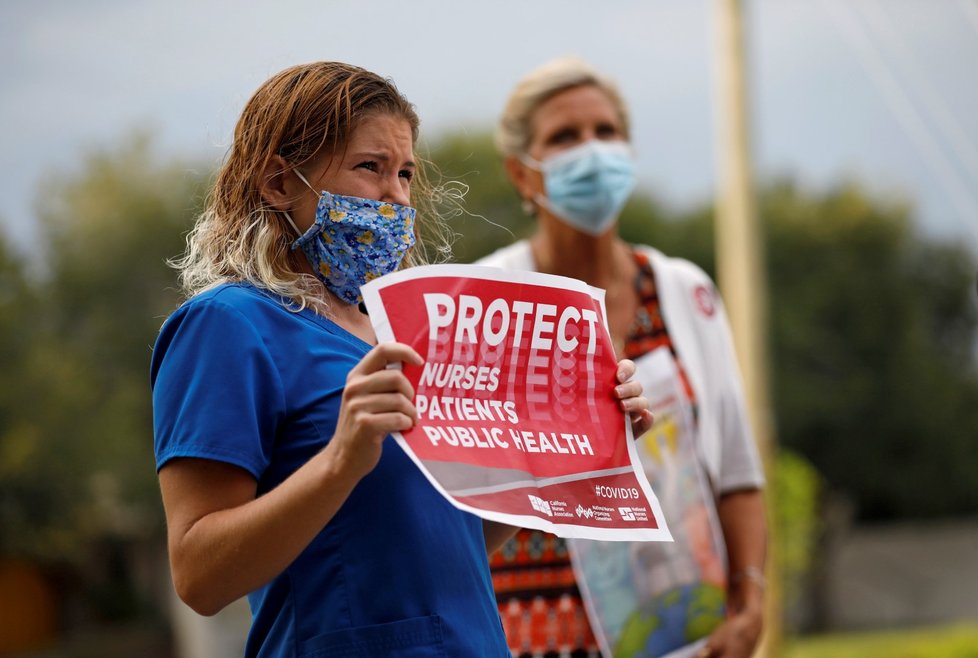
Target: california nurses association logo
703, 296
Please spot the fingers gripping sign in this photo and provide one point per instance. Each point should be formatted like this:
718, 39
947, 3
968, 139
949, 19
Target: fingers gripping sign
377, 400
629, 394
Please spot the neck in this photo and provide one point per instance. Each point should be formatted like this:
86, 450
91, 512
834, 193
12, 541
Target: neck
604, 262
597, 260
350, 318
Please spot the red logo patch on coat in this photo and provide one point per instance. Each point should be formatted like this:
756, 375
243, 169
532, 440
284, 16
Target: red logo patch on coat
704, 300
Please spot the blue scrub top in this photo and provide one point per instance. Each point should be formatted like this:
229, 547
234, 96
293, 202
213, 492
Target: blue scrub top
239, 378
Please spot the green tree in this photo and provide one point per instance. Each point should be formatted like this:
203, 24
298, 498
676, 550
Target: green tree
474, 195
77, 459
18, 305
873, 332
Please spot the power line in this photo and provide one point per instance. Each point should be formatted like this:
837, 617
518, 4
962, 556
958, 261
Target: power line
906, 114
954, 134
970, 9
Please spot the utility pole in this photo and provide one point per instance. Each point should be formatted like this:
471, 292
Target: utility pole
741, 270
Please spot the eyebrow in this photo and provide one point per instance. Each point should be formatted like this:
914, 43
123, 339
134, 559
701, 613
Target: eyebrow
378, 155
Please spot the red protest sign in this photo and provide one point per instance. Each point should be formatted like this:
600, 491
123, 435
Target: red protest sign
517, 421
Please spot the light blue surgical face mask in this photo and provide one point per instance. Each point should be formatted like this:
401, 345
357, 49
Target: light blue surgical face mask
354, 240
588, 185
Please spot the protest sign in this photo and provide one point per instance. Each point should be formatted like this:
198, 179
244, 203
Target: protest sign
517, 418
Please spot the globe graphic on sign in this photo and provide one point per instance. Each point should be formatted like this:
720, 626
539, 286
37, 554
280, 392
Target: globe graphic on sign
672, 620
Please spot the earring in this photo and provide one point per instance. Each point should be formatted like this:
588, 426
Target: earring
528, 207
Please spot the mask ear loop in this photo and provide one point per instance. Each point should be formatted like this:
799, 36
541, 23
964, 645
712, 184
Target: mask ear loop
527, 205
303, 179
531, 162
286, 212
530, 206
292, 223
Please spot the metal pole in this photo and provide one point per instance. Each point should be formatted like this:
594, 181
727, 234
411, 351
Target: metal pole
740, 269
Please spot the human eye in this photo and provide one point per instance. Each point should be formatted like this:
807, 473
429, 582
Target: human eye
564, 136
407, 174
369, 165
607, 131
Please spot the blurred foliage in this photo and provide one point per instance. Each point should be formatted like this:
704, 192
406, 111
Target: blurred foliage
76, 454
873, 333
872, 328
489, 215
795, 493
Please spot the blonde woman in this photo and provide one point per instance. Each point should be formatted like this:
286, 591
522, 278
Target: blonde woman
564, 134
273, 403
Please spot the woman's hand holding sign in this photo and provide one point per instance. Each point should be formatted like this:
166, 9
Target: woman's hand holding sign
377, 400
633, 403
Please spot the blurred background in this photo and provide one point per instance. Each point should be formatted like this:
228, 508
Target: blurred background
114, 116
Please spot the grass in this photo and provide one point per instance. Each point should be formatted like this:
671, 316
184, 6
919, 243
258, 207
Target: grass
959, 641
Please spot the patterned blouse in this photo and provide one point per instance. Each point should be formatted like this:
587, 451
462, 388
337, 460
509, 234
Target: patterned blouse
539, 601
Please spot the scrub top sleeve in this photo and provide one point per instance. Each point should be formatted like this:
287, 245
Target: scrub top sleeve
217, 393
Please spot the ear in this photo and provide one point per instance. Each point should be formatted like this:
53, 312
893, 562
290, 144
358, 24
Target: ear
519, 174
277, 185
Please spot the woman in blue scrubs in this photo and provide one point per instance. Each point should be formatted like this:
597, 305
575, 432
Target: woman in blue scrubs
273, 403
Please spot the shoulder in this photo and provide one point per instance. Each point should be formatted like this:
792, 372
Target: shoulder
234, 302
516, 256
234, 296
683, 282
228, 312
684, 271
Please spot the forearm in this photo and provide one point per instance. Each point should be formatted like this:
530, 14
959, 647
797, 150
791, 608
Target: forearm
745, 533
226, 553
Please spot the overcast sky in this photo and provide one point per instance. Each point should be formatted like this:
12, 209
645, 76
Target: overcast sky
882, 90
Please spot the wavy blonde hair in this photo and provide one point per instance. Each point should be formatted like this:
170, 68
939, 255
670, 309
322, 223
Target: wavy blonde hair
300, 114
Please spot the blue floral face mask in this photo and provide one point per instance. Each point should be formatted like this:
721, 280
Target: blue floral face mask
354, 240
588, 185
